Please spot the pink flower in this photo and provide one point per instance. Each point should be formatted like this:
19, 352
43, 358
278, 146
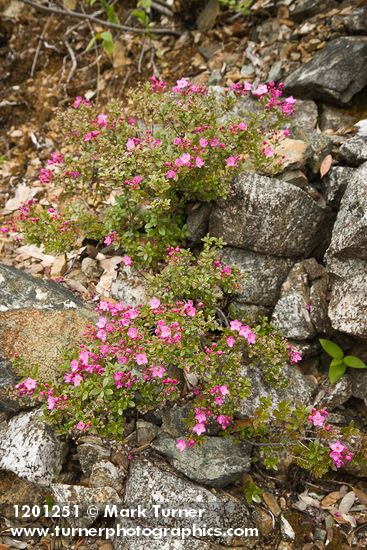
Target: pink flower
102, 321
77, 379
165, 332
338, 447
317, 418
45, 175
91, 135
51, 402
185, 157
199, 428
223, 421
30, 384
261, 90
232, 161
170, 174
4, 229
199, 162
288, 105
56, 158
80, 426
141, 359
268, 152
157, 371
182, 83
181, 445
242, 126
154, 303
130, 144
132, 333
102, 120
110, 238
248, 334
126, 260
230, 341
235, 325
190, 310
200, 416
203, 142
214, 142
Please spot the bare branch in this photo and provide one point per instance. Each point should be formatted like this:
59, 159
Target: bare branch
78, 15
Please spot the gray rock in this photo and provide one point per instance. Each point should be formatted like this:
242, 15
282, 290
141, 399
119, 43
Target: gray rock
305, 115
349, 239
318, 146
14, 490
154, 484
263, 275
354, 151
268, 216
198, 220
356, 22
331, 396
335, 73
18, 290
301, 310
348, 296
7, 375
145, 432
335, 184
336, 118
217, 463
129, 287
30, 449
247, 313
302, 9
106, 474
299, 390
90, 451
99, 497
26, 303
359, 383
174, 419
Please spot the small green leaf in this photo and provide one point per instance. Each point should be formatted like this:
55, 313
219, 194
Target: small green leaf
354, 362
332, 349
336, 362
336, 372
91, 43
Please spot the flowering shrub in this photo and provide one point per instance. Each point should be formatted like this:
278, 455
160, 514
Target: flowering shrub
137, 165
209, 281
300, 435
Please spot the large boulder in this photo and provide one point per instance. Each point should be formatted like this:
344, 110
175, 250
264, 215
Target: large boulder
152, 484
27, 303
217, 463
347, 259
30, 449
268, 216
336, 73
262, 276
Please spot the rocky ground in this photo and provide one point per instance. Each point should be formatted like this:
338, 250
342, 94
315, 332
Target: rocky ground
300, 237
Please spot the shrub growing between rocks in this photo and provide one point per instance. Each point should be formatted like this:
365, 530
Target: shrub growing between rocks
135, 166
139, 359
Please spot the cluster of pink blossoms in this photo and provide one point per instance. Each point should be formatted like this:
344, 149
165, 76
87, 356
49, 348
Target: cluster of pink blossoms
317, 418
339, 454
294, 354
243, 330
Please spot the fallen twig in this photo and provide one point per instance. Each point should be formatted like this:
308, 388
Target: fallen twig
38, 49
73, 61
69, 13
